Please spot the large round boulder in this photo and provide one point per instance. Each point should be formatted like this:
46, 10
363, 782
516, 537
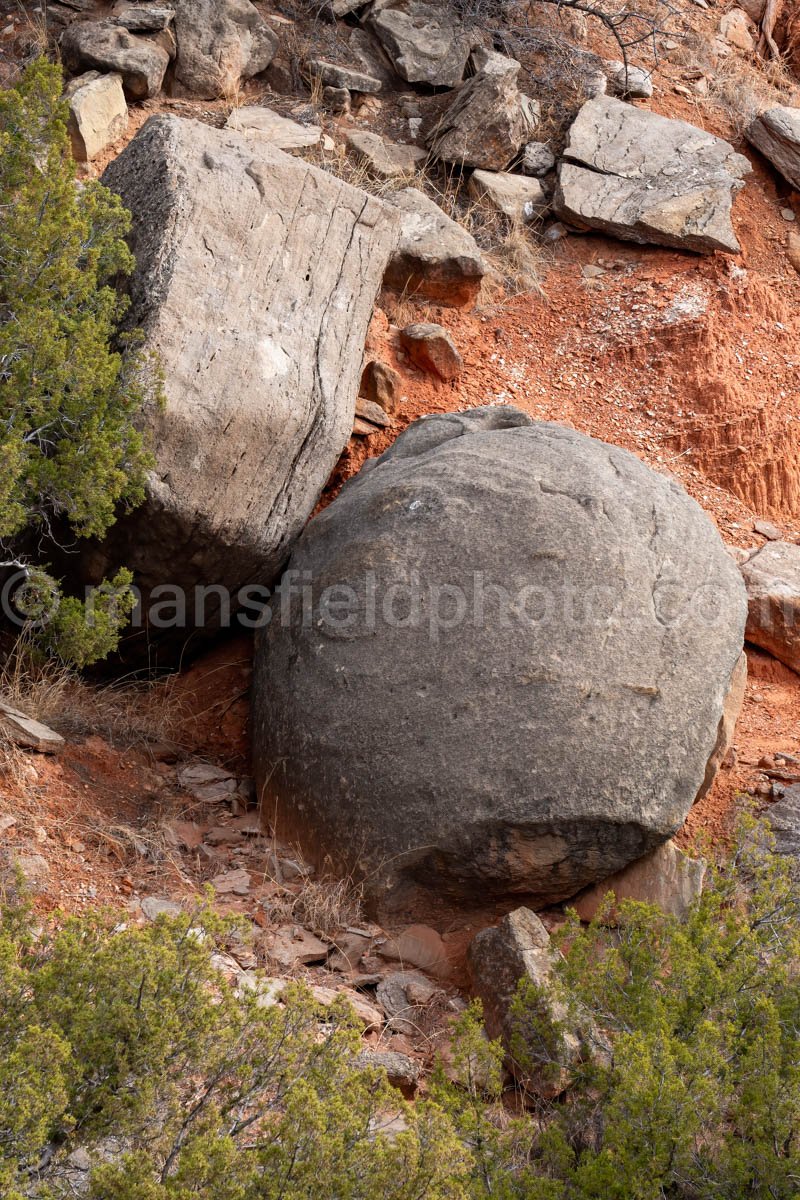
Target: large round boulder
497, 665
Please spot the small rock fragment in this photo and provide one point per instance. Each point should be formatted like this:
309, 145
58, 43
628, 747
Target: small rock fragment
431, 348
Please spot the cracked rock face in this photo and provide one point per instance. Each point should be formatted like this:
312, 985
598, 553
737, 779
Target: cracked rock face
647, 178
512, 668
255, 282
776, 133
425, 41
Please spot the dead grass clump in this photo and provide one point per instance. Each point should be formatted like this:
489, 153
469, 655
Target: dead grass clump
125, 713
325, 905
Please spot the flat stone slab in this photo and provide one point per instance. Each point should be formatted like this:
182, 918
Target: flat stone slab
281, 132
776, 133
646, 178
28, 733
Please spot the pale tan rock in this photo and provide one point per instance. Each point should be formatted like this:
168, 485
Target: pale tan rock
666, 877
776, 133
234, 240
517, 197
98, 114
488, 122
24, 731
255, 121
772, 579
291, 944
431, 348
384, 158
735, 28
418, 946
793, 250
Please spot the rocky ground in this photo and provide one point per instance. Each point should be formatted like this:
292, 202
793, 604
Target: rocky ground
690, 362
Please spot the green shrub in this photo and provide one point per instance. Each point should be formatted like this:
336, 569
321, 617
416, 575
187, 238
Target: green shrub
69, 450
127, 1043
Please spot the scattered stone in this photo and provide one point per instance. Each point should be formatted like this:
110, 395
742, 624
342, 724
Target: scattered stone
515, 196
537, 159
400, 996
768, 530
556, 232
247, 384
634, 83
370, 1016
279, 131
788, 214
592, 271
291, 944
208, 783
98, 114
369, 411
27, 733
401, 1071
772, 578
487, 124
336, 100
381, 384
435, 257
423, 39
349, 949
418, 946
268, 990
784, 820
220, 43
734, 26
541, 508
143, 18
343, 77
34, 868
491, 61
103, 46
232, 883
498, 959
646, 178
793, 251
387, 160
776, 133
665, 877
431, 348
154, 907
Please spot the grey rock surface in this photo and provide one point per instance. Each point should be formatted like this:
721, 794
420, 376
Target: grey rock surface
488, 122
665, 877
104, 46
424, 40
435, 257
776, 133
98, 114
772, 578
220, 43
647, 178
523, 688
255, 283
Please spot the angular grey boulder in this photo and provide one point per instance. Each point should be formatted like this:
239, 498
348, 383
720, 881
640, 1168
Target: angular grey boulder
512, 667
255, 283
776, 133
500, 958
220, 43
435, 257
646, 178
103, 46
772, 578
488, 122
424, 40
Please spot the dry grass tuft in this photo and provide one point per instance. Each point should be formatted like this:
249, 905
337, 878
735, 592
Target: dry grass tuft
325, 906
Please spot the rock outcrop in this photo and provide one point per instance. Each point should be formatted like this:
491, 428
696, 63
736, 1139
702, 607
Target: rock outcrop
500, 958
517, 197
103, 46
435, 257
772, 578
665, 877
220, 43
255, 283
424, 40
493, 602
646, 178
776, 133
488, 122
98, 114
